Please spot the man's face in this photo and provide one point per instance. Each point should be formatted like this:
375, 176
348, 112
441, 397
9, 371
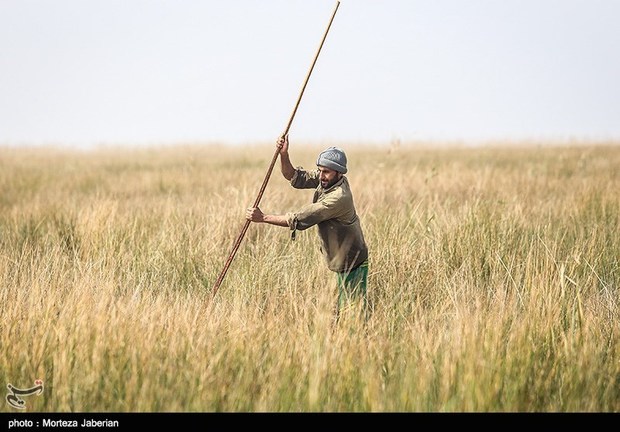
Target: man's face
328, 177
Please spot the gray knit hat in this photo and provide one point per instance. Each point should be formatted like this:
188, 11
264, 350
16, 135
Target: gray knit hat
333, 158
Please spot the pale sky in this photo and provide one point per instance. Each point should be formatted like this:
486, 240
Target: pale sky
87, 72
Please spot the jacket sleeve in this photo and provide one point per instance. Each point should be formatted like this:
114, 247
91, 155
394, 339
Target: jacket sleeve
303, 179
312, 214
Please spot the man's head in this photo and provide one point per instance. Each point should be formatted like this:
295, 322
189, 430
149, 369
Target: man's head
332, 164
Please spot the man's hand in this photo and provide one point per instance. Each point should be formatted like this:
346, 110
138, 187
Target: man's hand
282, 144
254, 214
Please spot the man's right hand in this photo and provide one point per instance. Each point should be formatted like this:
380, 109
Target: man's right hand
282, 144
288, 171
254, 214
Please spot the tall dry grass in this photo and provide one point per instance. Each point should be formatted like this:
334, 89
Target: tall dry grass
494, 280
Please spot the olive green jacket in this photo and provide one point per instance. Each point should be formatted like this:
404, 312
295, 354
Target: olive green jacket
332, 209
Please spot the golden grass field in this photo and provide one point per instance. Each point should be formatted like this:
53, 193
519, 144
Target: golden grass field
494, 279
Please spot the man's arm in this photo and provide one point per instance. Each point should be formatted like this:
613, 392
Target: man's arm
287, 168
256, 215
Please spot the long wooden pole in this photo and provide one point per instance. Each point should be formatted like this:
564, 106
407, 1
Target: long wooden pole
273, 159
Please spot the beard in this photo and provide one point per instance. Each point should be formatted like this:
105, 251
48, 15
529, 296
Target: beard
328, 184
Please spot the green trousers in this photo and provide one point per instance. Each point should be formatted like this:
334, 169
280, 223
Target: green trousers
352, 286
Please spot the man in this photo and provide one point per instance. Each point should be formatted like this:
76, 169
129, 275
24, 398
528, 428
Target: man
332, 210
